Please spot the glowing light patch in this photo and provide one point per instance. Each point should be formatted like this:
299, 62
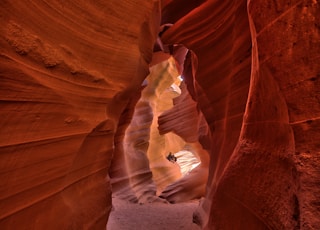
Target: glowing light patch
175, 88
187, 161
180, 78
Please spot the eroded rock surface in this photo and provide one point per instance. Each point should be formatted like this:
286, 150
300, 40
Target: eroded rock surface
145, 149
68, 70
252, 73
71, 78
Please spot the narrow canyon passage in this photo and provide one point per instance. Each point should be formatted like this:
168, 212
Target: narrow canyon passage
107, 99
154, 216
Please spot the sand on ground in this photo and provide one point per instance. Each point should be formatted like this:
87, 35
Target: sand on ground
154, 216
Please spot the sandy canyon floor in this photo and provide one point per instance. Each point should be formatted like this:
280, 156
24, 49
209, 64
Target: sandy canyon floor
155, 216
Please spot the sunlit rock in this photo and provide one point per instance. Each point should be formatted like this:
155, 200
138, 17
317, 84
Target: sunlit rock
145, 149
75, 99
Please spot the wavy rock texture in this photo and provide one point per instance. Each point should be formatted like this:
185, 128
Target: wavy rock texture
186, 121
164, 88
119, 175
145, 149
68, 70
71, 77
146, 144
257, 87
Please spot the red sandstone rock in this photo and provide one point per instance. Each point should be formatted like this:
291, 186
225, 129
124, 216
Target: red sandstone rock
247, 99
70, 75
186, 121
68, 70
145, 149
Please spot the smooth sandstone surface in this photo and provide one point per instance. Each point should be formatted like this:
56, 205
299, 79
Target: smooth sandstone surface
68, 71
79, 121
253, 71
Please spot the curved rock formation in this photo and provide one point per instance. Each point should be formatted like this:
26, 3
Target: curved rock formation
251, 110
193, 129
145, 149
72, 75
68, 70
146, 145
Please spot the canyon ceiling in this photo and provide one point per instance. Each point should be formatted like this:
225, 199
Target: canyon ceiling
90, 94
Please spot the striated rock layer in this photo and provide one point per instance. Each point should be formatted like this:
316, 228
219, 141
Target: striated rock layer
145, 149
255, 78
185, 120
68, 70
72, 75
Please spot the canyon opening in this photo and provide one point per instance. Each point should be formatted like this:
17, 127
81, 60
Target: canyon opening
206, 112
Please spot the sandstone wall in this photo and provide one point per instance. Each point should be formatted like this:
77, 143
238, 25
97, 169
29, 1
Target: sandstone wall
72, 74
255, 77
68, 70
145, 149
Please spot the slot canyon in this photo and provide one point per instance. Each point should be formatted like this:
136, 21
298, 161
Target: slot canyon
97, 95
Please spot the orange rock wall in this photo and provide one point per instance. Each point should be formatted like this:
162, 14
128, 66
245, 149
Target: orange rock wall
292, 58
255, 77
68, 70
71, 73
